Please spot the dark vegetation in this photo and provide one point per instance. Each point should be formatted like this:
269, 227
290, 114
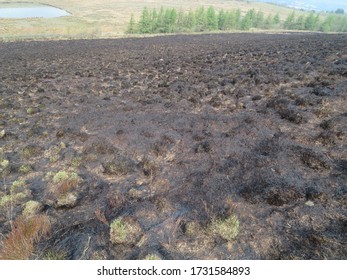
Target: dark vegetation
229, 146
171, 20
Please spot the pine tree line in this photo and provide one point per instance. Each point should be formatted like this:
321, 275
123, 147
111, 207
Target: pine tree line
312, 22
170, 20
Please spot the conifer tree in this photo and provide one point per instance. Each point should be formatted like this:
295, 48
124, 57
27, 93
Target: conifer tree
317, 21
233, 19
300, 23
247, 21
222, 20
276, 19
160, 21
290, 21
170, 17
131, 29
327, 24
145, 22
260, 19
180, 20
230, 20
154, 21
190, 21
211, 18
310, 22
341, 23
237, 19
201, 19
269, 22
253, 17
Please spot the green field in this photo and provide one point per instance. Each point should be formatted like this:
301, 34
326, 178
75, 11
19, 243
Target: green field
107, 19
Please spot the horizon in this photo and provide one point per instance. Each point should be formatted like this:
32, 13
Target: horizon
317, 5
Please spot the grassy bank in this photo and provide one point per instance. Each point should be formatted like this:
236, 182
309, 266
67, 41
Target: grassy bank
100, 19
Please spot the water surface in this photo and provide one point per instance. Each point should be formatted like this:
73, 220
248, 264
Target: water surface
39, 11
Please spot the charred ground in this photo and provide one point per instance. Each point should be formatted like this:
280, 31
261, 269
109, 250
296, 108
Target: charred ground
172, 141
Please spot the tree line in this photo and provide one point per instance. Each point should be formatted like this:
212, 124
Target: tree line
171, 20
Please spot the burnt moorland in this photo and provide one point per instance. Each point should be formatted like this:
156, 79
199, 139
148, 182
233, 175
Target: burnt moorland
224, 146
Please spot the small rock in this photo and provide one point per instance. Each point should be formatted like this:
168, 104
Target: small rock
309, 203
2, 133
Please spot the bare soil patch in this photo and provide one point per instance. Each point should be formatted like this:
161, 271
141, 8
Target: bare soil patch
229, 146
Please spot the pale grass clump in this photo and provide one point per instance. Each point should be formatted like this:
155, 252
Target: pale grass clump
55, 255
64, 182
16, 185
32, 208
17, 193
119, 229
26, 231
125, 230
152, 257
64, 175
227, 228
8, 199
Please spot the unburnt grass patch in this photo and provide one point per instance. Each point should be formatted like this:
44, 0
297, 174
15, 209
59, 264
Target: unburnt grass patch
152, 257
125, 230
65, 188
32, 208
227, 228
25, 168
64, 182
16, 194
26, 231
55, 255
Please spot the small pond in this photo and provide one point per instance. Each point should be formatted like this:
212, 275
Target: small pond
25, 10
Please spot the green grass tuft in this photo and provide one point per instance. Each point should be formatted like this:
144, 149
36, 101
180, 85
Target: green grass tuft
152, 257
64, 175
118, 227
227, 228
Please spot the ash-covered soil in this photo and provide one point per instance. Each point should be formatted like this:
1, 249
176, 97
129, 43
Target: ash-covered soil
170, 137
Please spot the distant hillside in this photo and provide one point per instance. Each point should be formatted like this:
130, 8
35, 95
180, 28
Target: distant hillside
317, 5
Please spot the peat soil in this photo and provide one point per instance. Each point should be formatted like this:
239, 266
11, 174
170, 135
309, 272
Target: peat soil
172, 133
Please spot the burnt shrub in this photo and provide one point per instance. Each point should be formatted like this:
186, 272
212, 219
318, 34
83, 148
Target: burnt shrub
120, 165
203, 147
